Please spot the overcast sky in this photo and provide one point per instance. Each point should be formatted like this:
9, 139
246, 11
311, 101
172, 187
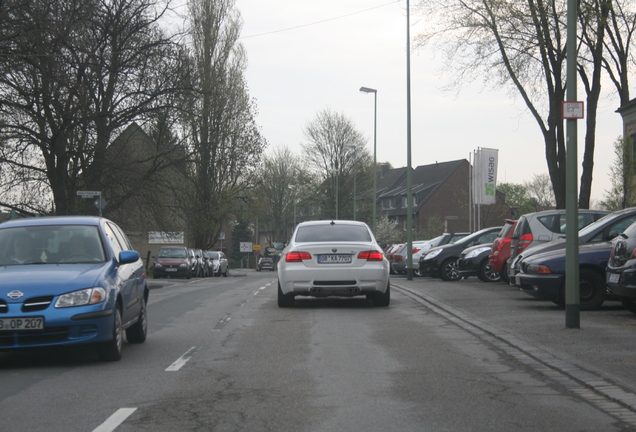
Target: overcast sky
307, 56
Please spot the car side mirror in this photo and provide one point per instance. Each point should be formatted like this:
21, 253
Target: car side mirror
382, 244
127, 257
279, 246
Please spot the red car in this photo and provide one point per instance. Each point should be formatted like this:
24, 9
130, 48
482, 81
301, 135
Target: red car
501, 249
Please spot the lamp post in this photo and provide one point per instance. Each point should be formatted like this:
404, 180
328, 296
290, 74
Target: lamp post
336, 172
293, 187
409, 192
375, 122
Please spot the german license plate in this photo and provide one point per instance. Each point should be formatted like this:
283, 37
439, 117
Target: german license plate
171, 269
30, 323
613, 277
334, 259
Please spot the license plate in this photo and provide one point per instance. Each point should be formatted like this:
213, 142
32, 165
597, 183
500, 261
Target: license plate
334, 259
30, 323
171, 269
613, 277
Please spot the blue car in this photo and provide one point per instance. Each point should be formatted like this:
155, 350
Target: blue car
543, 275
70, 280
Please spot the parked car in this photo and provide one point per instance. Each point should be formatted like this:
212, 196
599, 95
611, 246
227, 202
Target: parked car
441, 261
219, 263
265, 264
333, 258
172, 261
390, 253
621, 268
541, 227
53, 295
500, 250
194, 263
543, 275
473, 261
601, 230
198, 253
398, 263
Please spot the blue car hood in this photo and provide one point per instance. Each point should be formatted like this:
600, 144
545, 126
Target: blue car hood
50, 279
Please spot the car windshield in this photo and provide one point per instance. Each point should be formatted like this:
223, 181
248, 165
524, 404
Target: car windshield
50, 244
172, 253
436, 240
333, 233
214, 255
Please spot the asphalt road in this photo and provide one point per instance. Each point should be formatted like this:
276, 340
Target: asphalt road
445, 356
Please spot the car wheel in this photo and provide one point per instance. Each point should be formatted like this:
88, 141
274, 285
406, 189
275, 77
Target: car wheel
284, 301
225, 272
138, 331
189, 275
487, 272
504, 276
448, 271
111, 350
382, 299
591, 289
629, 303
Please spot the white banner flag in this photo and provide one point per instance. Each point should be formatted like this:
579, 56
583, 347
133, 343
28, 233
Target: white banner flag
485, 176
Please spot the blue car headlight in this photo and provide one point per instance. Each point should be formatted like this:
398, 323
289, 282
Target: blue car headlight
83, 297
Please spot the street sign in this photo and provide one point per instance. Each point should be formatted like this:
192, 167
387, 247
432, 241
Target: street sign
245, 246
256, 247
89, 194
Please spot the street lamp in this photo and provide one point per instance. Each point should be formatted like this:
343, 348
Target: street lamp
375, 122
293, 187
336, 172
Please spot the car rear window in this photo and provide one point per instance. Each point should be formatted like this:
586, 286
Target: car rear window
333, 233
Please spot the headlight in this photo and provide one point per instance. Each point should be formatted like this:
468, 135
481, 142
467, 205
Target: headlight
473, 253
184, 265
538, 269
83, 297
157, 265
432, 254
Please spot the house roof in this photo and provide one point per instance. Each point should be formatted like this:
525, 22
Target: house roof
425, 180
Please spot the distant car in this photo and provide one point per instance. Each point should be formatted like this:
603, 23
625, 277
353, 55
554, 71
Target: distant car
621, 268
534, 229
543, 275
473, 261
390, 254
500, 251
333, 258
54, 294
265, 264
601, 230
441, 261
219, 263
194, 263
172, 261
198, 253
400, 257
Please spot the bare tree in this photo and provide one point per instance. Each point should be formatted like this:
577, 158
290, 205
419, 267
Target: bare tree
334, 152
226, 144
522, 44
540, 191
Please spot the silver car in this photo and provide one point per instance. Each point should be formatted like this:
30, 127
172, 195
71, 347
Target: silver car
541, 227
333, 258
219, 263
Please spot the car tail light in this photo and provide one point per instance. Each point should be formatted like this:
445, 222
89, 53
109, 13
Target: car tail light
297, 256
397, 258
416, 250
371, 255
524, 242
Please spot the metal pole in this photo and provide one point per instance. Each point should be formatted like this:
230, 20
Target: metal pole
409, 200
354, 195
375, 158
572, 295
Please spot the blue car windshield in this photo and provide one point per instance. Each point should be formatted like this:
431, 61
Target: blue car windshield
50, 244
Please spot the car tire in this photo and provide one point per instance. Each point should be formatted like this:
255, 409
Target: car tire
629, 303
448, 270
225, 273
112, 350
138, 331
382, 299
592, 291
487, 272
285, 300
504, 276
189, 275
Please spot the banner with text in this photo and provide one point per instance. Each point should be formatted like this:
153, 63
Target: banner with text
485, 176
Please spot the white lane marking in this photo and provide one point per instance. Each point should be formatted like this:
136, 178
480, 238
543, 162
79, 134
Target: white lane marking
222, 323
181, 361
260, 289
115, 420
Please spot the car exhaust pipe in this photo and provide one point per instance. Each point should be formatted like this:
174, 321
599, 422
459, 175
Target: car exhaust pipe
353, 290
315, 290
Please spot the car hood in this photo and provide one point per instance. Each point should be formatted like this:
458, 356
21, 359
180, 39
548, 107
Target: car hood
50, 279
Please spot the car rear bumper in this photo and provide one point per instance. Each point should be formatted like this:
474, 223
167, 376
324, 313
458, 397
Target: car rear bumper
343, 283
540, 286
